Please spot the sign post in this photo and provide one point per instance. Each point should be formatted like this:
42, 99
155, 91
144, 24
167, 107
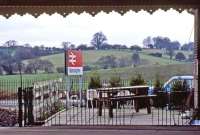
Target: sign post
74, 67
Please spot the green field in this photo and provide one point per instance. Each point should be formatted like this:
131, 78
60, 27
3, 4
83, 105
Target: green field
163, 66
90, 57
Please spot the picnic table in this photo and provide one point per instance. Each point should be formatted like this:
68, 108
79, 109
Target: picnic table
138, 93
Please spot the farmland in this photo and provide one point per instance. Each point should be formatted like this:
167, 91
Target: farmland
90, 57
151, 65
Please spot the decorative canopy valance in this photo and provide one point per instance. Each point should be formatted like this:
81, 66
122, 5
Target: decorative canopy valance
65, 7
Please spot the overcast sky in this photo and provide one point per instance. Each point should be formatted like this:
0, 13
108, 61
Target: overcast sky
128, 29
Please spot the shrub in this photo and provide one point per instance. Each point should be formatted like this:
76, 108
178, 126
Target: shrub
86, 68
161, 99
136, 48
157, 54
178, 86
109, 61
95, 82
180, 56
178, 93
138, 80
115, 81
157, 83
60, 69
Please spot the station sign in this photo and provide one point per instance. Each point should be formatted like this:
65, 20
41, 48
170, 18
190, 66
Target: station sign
74, 62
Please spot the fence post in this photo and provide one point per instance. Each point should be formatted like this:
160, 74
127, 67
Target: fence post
20, 115
25, 105
30, 106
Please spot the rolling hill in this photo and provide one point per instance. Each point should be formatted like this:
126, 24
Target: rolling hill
91, 57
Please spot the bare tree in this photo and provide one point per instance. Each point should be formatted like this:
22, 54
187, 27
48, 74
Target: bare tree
37, 64
34, 65
98, 40
135, 59
66, 45
147, 41
47, 66
10, 43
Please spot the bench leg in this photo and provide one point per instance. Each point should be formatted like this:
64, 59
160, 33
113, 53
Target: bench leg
100, 108
148, 106
110, 107
136, 106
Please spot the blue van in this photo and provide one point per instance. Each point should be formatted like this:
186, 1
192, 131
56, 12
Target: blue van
168, 85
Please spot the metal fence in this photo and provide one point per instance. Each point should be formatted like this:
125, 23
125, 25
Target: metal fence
71, 102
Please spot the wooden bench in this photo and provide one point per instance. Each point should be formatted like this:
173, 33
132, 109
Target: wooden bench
139, 92
138, 99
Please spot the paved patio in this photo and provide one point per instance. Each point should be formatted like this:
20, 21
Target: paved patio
142, 130
126, 116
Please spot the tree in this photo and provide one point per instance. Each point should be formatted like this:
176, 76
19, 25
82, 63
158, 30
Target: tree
175, 45
191, 57
147, 41
1, 70
106, 46
170, 51
188, 46
124, 61
161, 42
7, 61
23, 53
135, 59
66, 45
82, 47
37, 64
72, 46
8, 66
107, 61
98, 40
180, 56
136, 48
60, 69
47, 66
33, 66
10, 43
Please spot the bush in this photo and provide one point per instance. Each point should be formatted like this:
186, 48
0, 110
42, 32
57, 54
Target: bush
157, 83
178, 86
161, 99
178, 93
115, 81
191, 57
157, 54
109, 61
136, 48
86, 68
180, 56
94, 82
138, 80
60, 69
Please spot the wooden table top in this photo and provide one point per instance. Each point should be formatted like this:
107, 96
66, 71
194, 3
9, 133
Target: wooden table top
107, 89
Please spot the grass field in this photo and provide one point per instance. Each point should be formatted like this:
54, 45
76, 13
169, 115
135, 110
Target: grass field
165, 67
90, 57
148, 73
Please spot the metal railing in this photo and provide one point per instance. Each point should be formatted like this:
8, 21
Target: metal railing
68, 102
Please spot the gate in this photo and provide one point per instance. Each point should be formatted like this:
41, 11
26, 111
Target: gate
25, 101
49, 103
120, 106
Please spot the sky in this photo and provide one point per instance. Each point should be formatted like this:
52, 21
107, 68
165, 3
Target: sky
129, 29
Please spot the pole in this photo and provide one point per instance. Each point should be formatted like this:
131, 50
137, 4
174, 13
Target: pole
80, 90
196, 60
20, 106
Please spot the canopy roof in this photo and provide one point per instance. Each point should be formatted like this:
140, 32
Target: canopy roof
64, 7
96, 2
